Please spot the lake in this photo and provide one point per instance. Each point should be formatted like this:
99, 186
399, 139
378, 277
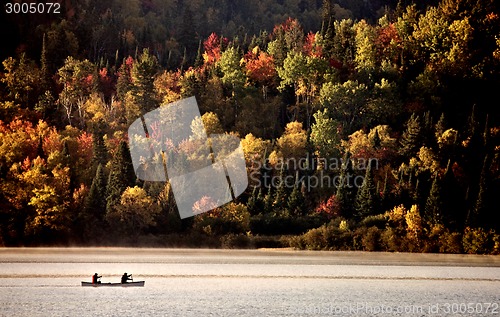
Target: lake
191, 282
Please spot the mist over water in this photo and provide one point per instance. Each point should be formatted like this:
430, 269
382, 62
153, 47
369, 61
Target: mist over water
46, 282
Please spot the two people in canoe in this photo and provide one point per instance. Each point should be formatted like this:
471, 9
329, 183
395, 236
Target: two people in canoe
96, 278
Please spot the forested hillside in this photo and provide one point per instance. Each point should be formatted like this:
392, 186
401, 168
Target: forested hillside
365, 125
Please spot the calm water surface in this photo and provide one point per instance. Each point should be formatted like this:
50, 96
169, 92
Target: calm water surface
46, 282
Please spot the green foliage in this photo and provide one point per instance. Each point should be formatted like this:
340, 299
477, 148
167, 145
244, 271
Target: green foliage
347, 102
411, 138
121, 176
434, 204
229, 64
92, 217
367, 200
325, 134
296, 202
143, 74
346, 191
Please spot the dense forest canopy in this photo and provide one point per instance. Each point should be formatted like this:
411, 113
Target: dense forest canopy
381, 113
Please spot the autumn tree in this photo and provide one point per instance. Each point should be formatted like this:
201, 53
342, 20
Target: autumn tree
213, 47
21, 78
134, 212
366, 55
78, 80
292, 144
260, 69
304, 74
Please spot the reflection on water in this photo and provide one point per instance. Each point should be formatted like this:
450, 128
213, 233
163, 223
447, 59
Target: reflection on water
243, 283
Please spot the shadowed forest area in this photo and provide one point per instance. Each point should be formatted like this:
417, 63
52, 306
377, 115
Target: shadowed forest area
366, 125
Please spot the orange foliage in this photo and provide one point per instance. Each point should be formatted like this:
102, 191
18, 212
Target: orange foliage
311, 47
260, 67
329, 208
213, 48
84, 142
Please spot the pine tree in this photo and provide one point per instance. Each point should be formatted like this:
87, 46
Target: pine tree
486, 133
434, 204
66, 160
440, 127
255, 204
280, 195
143, 74
453, 202
99, 148
367, 200
296, 203
199, 55
96, 199
94, 205
121, 175
45, 68
268, 201
346, 190
479, 214
411, 138
384, 204
376, 140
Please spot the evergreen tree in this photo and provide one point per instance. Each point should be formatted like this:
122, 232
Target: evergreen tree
367, 200
255, 204
99, 148
346, 190
280, 195
376, 140
95, 202
479, 215
453, 212
143, 76
385, 201
296, 202
411, 138
121, 175
124, 81
440, 127
268, 201
45, 68
199, 55
434, 203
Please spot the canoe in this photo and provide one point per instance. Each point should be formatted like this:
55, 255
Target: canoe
129, 284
